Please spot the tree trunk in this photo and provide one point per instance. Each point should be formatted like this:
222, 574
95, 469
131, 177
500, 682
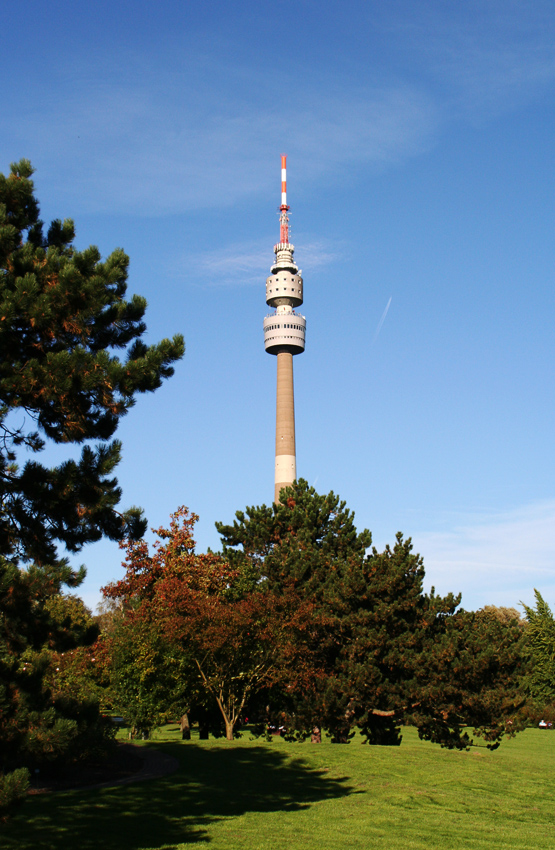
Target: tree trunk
185, 728
228, 729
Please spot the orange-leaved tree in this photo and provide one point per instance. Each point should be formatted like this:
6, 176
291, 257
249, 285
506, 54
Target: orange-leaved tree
221, 635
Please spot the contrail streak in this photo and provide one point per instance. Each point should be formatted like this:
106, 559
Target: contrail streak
382, 320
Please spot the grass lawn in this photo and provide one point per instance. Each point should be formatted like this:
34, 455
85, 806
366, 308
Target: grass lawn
283, 796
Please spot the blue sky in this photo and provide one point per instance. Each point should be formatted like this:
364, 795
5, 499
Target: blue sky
420, 176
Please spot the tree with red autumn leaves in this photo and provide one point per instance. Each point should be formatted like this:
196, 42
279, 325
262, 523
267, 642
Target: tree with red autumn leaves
207, 630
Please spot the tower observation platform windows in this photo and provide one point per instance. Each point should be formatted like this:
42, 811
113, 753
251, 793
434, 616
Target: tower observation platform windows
284, 335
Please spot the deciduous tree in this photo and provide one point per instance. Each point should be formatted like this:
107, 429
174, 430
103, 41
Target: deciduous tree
225, 637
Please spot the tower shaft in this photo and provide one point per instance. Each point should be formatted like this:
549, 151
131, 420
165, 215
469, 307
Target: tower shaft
286, 463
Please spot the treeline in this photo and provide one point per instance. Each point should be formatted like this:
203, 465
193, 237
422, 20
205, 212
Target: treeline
300, 624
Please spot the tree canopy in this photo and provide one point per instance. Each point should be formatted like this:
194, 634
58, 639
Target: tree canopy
387, 650
540, 644
39, 722
64, 323
308, 540
194, 628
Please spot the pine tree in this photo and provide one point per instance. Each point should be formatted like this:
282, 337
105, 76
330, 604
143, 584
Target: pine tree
307, 540
63, 314
40, 724
540, 643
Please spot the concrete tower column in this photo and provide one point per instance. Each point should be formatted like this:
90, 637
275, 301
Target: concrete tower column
286, 464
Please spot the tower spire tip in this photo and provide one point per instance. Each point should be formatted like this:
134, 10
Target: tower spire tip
284, 218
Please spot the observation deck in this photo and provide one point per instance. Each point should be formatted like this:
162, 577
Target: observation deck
284, 332
284, 287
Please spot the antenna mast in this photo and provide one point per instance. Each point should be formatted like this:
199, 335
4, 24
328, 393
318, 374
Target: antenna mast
283, 210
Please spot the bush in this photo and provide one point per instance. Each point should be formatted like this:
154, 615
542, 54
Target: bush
13, 788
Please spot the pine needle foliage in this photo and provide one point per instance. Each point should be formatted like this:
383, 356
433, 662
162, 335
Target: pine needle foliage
72, 360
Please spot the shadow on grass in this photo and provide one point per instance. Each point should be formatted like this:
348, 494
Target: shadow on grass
211, 784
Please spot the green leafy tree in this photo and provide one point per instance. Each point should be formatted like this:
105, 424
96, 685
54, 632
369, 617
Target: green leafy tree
505, 615
142, 671
540, 645
77, 665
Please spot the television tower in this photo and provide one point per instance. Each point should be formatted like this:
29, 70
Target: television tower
284, 335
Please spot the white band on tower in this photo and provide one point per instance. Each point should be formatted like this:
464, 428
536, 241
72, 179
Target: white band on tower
286, 468
283, 180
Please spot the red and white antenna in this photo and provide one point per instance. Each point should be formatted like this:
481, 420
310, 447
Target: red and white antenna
283, 217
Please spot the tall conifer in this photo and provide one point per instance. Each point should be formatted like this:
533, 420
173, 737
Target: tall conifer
64, 321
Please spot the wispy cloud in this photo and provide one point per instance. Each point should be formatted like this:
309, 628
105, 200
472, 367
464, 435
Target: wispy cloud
248, 263
160, 142
494, 559
148, 136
